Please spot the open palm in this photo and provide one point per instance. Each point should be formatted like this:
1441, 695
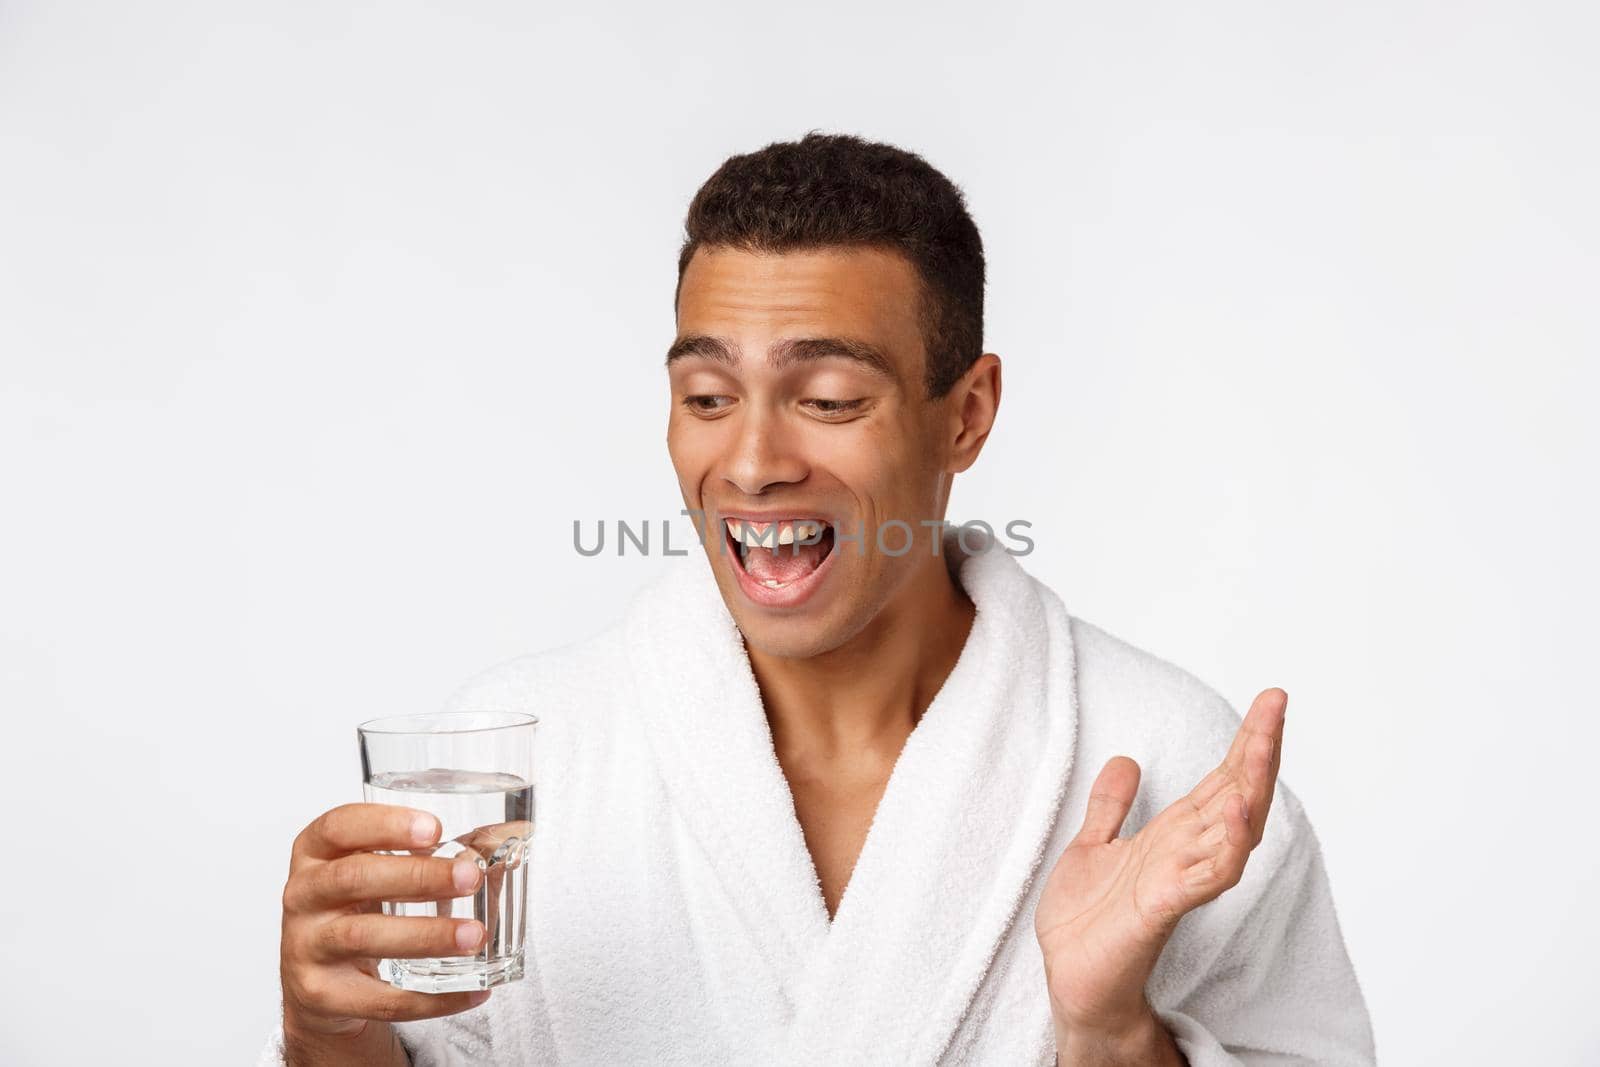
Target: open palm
1111, 903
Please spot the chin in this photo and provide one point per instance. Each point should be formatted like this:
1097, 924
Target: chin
786, 640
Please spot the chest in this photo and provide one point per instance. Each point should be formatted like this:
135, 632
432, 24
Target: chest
835, 807
685, 897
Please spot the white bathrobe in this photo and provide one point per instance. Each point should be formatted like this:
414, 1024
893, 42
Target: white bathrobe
676, 916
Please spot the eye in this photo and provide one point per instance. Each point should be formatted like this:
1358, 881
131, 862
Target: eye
833, 408
706, 403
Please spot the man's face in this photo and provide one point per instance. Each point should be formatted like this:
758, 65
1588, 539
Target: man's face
798, 400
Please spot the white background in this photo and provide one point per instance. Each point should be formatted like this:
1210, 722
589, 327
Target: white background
321, 323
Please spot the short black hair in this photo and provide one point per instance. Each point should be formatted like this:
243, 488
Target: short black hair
837, 189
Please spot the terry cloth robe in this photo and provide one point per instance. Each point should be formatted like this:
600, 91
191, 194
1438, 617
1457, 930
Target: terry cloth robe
675, 915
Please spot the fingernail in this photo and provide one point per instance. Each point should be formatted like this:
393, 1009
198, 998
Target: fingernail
477, 997
465, 875
423, 827
468, 936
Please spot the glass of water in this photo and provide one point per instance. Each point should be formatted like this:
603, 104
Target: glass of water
474, 771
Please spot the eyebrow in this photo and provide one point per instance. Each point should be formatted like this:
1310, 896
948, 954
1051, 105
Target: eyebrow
788, 353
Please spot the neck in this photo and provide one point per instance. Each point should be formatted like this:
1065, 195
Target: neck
867, 695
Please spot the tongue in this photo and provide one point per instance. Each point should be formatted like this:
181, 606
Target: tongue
786, 562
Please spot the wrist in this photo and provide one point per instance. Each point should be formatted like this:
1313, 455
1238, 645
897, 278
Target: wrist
374, 1044
310, 1040
309, 1029
1137, 1038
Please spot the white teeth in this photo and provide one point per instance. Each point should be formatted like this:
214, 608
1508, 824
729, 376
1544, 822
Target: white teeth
788, 532
773, 583
804, 531
743, 534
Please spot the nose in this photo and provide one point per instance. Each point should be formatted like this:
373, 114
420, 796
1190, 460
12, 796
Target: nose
762, 455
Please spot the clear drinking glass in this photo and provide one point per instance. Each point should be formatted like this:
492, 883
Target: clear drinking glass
474, 771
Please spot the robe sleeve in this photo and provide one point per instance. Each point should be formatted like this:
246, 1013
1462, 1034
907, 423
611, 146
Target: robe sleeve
1264, 979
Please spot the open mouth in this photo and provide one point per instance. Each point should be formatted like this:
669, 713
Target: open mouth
779, 561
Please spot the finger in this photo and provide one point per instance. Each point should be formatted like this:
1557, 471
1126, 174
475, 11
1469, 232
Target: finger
1261, 775
1258, 751
403, 1005
485, 840
364, 997
1209, 832
492, 919
1277, 738
1206, 876
1236, 817
396, 937
368, 876
1207, 843
505, 845
1255, 786
1206, 792
1109, 800
448, 905
364, 827
1265, 717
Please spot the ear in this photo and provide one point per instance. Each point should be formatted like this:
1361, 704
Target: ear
973, 403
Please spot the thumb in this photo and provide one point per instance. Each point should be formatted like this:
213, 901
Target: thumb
1109, 801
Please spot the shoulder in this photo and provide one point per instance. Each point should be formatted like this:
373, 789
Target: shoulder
1120, 683
582, 673
544, 683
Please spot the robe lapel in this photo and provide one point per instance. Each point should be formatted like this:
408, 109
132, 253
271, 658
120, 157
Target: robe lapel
693, 688
957, 838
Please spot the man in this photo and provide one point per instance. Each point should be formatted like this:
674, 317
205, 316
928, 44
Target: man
849, 786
